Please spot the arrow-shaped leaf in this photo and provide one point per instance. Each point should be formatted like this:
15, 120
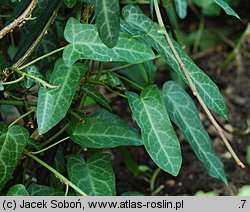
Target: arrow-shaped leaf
96, 176
137, 23
53, 104
12, 143
107, 14
106, 130
85, 43
185, 115
158, 134
224, 5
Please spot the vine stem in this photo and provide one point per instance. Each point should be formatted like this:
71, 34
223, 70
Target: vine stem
52, 138
45, 84
193, 88
21, 117
49, 147
14, 81
17, 103
41, 57
55, 172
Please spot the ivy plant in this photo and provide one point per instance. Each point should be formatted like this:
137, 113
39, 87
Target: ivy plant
66, 64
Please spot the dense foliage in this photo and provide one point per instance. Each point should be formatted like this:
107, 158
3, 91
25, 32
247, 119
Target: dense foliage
62, 59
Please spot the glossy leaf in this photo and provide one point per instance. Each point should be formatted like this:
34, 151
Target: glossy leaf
137, 23
93, 94
107, 14
69, 3
85, 43
181, 8
224, 5
106, 130
17, 190
113, 80
42, 190
28, 82
158, 134
95, 177
185, 115
12, 143
53, 104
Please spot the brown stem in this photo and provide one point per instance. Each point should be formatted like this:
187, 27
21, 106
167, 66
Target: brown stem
18, 22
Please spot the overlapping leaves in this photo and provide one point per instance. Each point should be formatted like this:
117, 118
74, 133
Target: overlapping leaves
158, 134
95, 177
136, 23
53, 104
185, 115
85, 43
104, 130
12, 143
107, 15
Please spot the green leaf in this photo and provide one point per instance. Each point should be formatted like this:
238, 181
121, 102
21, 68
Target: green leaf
69, 3
150, 70
226, 8
143, 74
181, 8
95, 177
85, 43
53, 104
60, 165
59, 161
113, 80
138, 24
209, 193
248, 155
12, 143
28, 82
105, 115
158, 134
93, 94
185, 115
107, 14
17, 190
244, 191
3, 127
208, 7
106, 130
41, 190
